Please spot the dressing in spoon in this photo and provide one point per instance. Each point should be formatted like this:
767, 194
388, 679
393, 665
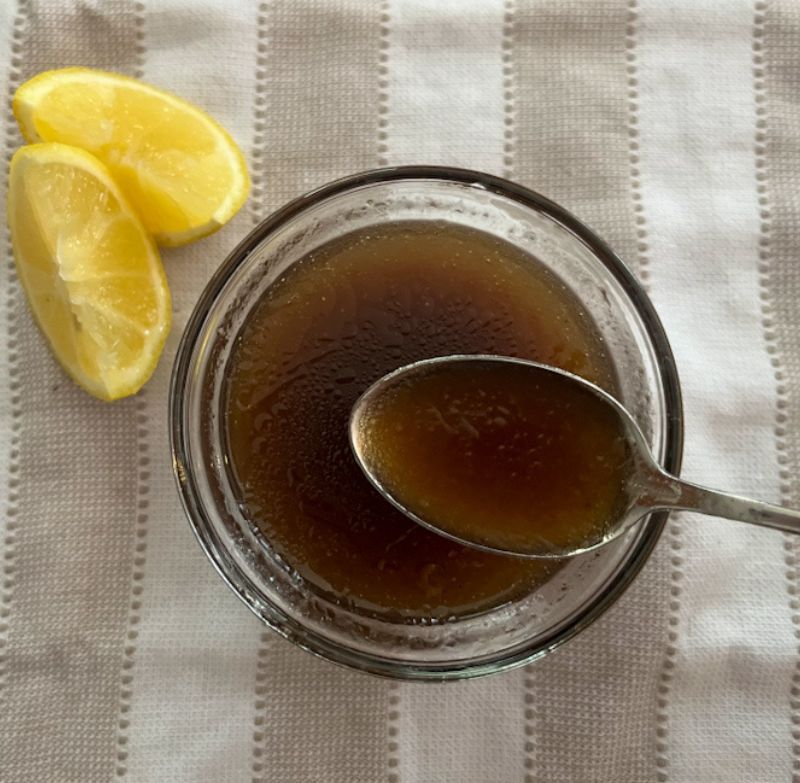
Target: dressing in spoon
517, 457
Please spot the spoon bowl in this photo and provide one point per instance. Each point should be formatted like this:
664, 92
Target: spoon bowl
521, 458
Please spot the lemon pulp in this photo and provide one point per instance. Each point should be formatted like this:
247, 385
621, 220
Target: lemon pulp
181, 170
91, 272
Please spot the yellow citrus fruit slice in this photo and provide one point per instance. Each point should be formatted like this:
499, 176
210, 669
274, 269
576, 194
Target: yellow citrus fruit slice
92, 274
179, 167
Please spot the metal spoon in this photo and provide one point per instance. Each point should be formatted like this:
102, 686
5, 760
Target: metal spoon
645, 486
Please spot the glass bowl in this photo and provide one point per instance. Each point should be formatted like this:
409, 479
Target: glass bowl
509, 635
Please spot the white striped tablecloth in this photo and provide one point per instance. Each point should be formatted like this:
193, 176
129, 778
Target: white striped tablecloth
673, 128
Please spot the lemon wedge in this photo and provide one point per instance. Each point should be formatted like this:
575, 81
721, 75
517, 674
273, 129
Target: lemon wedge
178, 166
92, 274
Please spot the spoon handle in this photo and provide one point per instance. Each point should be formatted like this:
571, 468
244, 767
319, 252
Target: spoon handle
672, 492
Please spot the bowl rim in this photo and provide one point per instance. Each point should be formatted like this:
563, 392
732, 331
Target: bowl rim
271, 615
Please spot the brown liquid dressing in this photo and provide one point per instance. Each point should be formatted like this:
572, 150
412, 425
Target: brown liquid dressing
337, 321
509, 456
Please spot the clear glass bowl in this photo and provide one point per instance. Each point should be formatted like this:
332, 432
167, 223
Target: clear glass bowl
509, 635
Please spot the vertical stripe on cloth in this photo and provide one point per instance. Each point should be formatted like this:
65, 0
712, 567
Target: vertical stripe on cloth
13, 23
777, 132
445, 83
71, 492
188, 712
142, 516
466, 732
575, 65
320, 62
734, 653
776, 65
446, 104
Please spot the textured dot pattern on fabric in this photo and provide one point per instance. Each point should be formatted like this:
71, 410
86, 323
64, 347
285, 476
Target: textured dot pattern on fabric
672, 129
